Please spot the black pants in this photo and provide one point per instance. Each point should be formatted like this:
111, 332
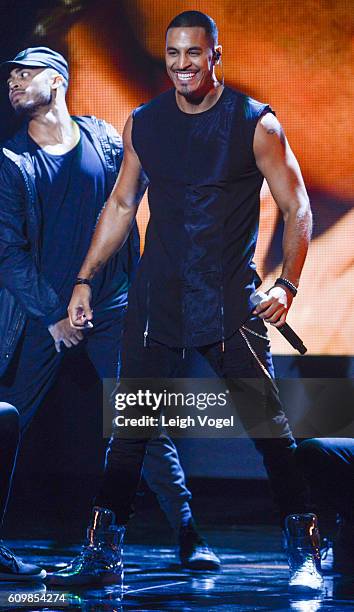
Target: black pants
31, 375
36, 364
9, 440
328, 465
33, 372
125, 456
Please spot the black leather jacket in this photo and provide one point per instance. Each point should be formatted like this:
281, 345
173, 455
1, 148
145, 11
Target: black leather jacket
24, 292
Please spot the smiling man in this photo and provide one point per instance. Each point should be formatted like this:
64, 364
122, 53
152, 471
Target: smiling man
190, 58
204, 149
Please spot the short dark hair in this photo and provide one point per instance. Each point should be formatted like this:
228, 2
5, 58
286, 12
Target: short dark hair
195, 19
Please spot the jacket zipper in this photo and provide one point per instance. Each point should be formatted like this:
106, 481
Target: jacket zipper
146, 332
20, 318
13, 335
222, 320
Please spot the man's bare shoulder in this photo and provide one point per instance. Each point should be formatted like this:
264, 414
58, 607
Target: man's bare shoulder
269, 135
269, 124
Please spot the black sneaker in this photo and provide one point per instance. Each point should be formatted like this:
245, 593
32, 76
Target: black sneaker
302, 542
100, 560
194, 552
13, 569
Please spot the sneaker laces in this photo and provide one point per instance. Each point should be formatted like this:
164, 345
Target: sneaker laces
191, 541
87, 553
91, 555
202, 545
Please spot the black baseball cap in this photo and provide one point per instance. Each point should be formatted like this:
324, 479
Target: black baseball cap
38, 57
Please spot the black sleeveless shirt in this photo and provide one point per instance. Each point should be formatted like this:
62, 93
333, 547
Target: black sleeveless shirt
196, 275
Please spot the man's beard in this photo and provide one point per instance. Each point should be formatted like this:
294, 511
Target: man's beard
192, 97
32, 109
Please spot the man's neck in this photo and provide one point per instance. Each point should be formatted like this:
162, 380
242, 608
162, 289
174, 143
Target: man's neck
53, 130
203, 103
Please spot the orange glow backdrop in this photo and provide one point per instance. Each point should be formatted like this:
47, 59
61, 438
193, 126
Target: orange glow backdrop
297, 56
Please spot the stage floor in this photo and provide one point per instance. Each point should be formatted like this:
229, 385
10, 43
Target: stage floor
253, 578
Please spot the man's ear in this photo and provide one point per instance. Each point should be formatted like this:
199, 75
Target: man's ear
57, 81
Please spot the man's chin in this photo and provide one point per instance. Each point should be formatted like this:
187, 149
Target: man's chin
184, 91
26, 111
31, 107
22, 111
187, 91
191, 95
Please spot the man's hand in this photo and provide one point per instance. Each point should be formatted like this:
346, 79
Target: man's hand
79, 309
63, 332
275, 309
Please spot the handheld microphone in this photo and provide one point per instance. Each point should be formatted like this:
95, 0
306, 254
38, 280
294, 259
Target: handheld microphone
256, 298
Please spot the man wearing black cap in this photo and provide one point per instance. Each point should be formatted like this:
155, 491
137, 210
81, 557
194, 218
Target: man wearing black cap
55, 175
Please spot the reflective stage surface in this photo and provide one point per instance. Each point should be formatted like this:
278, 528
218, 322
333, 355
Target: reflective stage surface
253, 578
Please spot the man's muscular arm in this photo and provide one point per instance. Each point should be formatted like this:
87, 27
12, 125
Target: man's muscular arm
112, 229
280, 168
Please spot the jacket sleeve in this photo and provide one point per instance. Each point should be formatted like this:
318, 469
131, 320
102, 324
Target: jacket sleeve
18, 271
116, 145
130, 254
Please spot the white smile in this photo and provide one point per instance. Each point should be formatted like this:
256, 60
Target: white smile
185, 76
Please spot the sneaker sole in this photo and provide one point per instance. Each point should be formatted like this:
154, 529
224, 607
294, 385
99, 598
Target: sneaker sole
23, 577
84, 580
300, 588
205, 566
